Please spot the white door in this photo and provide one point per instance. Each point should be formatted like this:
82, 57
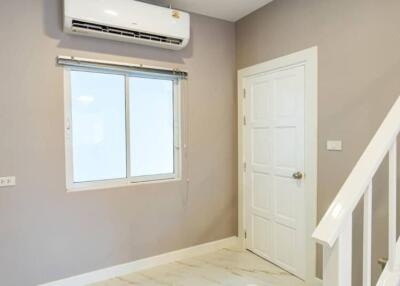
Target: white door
274, 156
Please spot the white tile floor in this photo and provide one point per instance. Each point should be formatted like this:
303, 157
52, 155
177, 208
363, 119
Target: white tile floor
229, 267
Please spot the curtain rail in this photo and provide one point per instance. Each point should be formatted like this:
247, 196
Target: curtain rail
83, 62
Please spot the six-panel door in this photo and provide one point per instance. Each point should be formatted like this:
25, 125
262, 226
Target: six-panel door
274, 179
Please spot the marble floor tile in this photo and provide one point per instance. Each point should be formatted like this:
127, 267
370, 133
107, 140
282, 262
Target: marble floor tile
230, 267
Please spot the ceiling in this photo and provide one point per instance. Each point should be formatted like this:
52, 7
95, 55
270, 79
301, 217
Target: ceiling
230, 10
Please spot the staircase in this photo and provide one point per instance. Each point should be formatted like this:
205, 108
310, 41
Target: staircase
335, 229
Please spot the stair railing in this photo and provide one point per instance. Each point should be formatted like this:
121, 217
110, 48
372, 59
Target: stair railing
334, 231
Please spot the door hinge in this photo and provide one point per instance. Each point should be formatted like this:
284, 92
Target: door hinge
244, 120
245, 166
244, 93
245, 234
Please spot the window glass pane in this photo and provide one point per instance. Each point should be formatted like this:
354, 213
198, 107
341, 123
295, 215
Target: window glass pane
152, 126
98, 126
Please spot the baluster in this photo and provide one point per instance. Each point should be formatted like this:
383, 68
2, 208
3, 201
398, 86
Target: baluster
392, 205
367, 256
338, 259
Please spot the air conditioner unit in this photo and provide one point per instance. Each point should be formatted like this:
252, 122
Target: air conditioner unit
128, 21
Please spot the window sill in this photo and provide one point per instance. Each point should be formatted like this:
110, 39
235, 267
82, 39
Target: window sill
85, 187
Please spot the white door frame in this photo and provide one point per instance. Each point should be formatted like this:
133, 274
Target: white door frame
309, 58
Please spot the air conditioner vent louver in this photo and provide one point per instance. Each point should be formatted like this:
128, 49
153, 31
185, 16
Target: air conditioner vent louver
79, 26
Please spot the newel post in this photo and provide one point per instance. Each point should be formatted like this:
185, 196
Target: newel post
338, 259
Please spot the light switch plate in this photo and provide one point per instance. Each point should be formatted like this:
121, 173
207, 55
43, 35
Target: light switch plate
7, 181
332, 145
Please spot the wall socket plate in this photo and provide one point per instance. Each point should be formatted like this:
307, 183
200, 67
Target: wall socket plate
7, 181
334, 145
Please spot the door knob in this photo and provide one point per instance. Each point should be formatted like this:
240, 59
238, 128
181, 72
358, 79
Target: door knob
298, 175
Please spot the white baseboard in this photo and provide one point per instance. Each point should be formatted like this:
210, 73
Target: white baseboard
146, 263
317, 282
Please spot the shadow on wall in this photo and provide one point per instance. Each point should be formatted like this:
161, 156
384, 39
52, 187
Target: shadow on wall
53, 27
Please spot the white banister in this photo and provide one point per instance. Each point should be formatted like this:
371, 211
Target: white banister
367, 237
392, 206
356, 184
334, 231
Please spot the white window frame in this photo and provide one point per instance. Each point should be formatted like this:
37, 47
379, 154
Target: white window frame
129, 180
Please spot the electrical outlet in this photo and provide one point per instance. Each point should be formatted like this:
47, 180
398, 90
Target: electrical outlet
334, 145
7, 181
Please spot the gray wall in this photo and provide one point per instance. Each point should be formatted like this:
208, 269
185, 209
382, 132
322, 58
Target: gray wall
359, 72
47, 234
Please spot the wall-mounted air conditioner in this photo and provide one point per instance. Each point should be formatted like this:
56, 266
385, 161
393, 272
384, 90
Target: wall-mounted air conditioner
128, 21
